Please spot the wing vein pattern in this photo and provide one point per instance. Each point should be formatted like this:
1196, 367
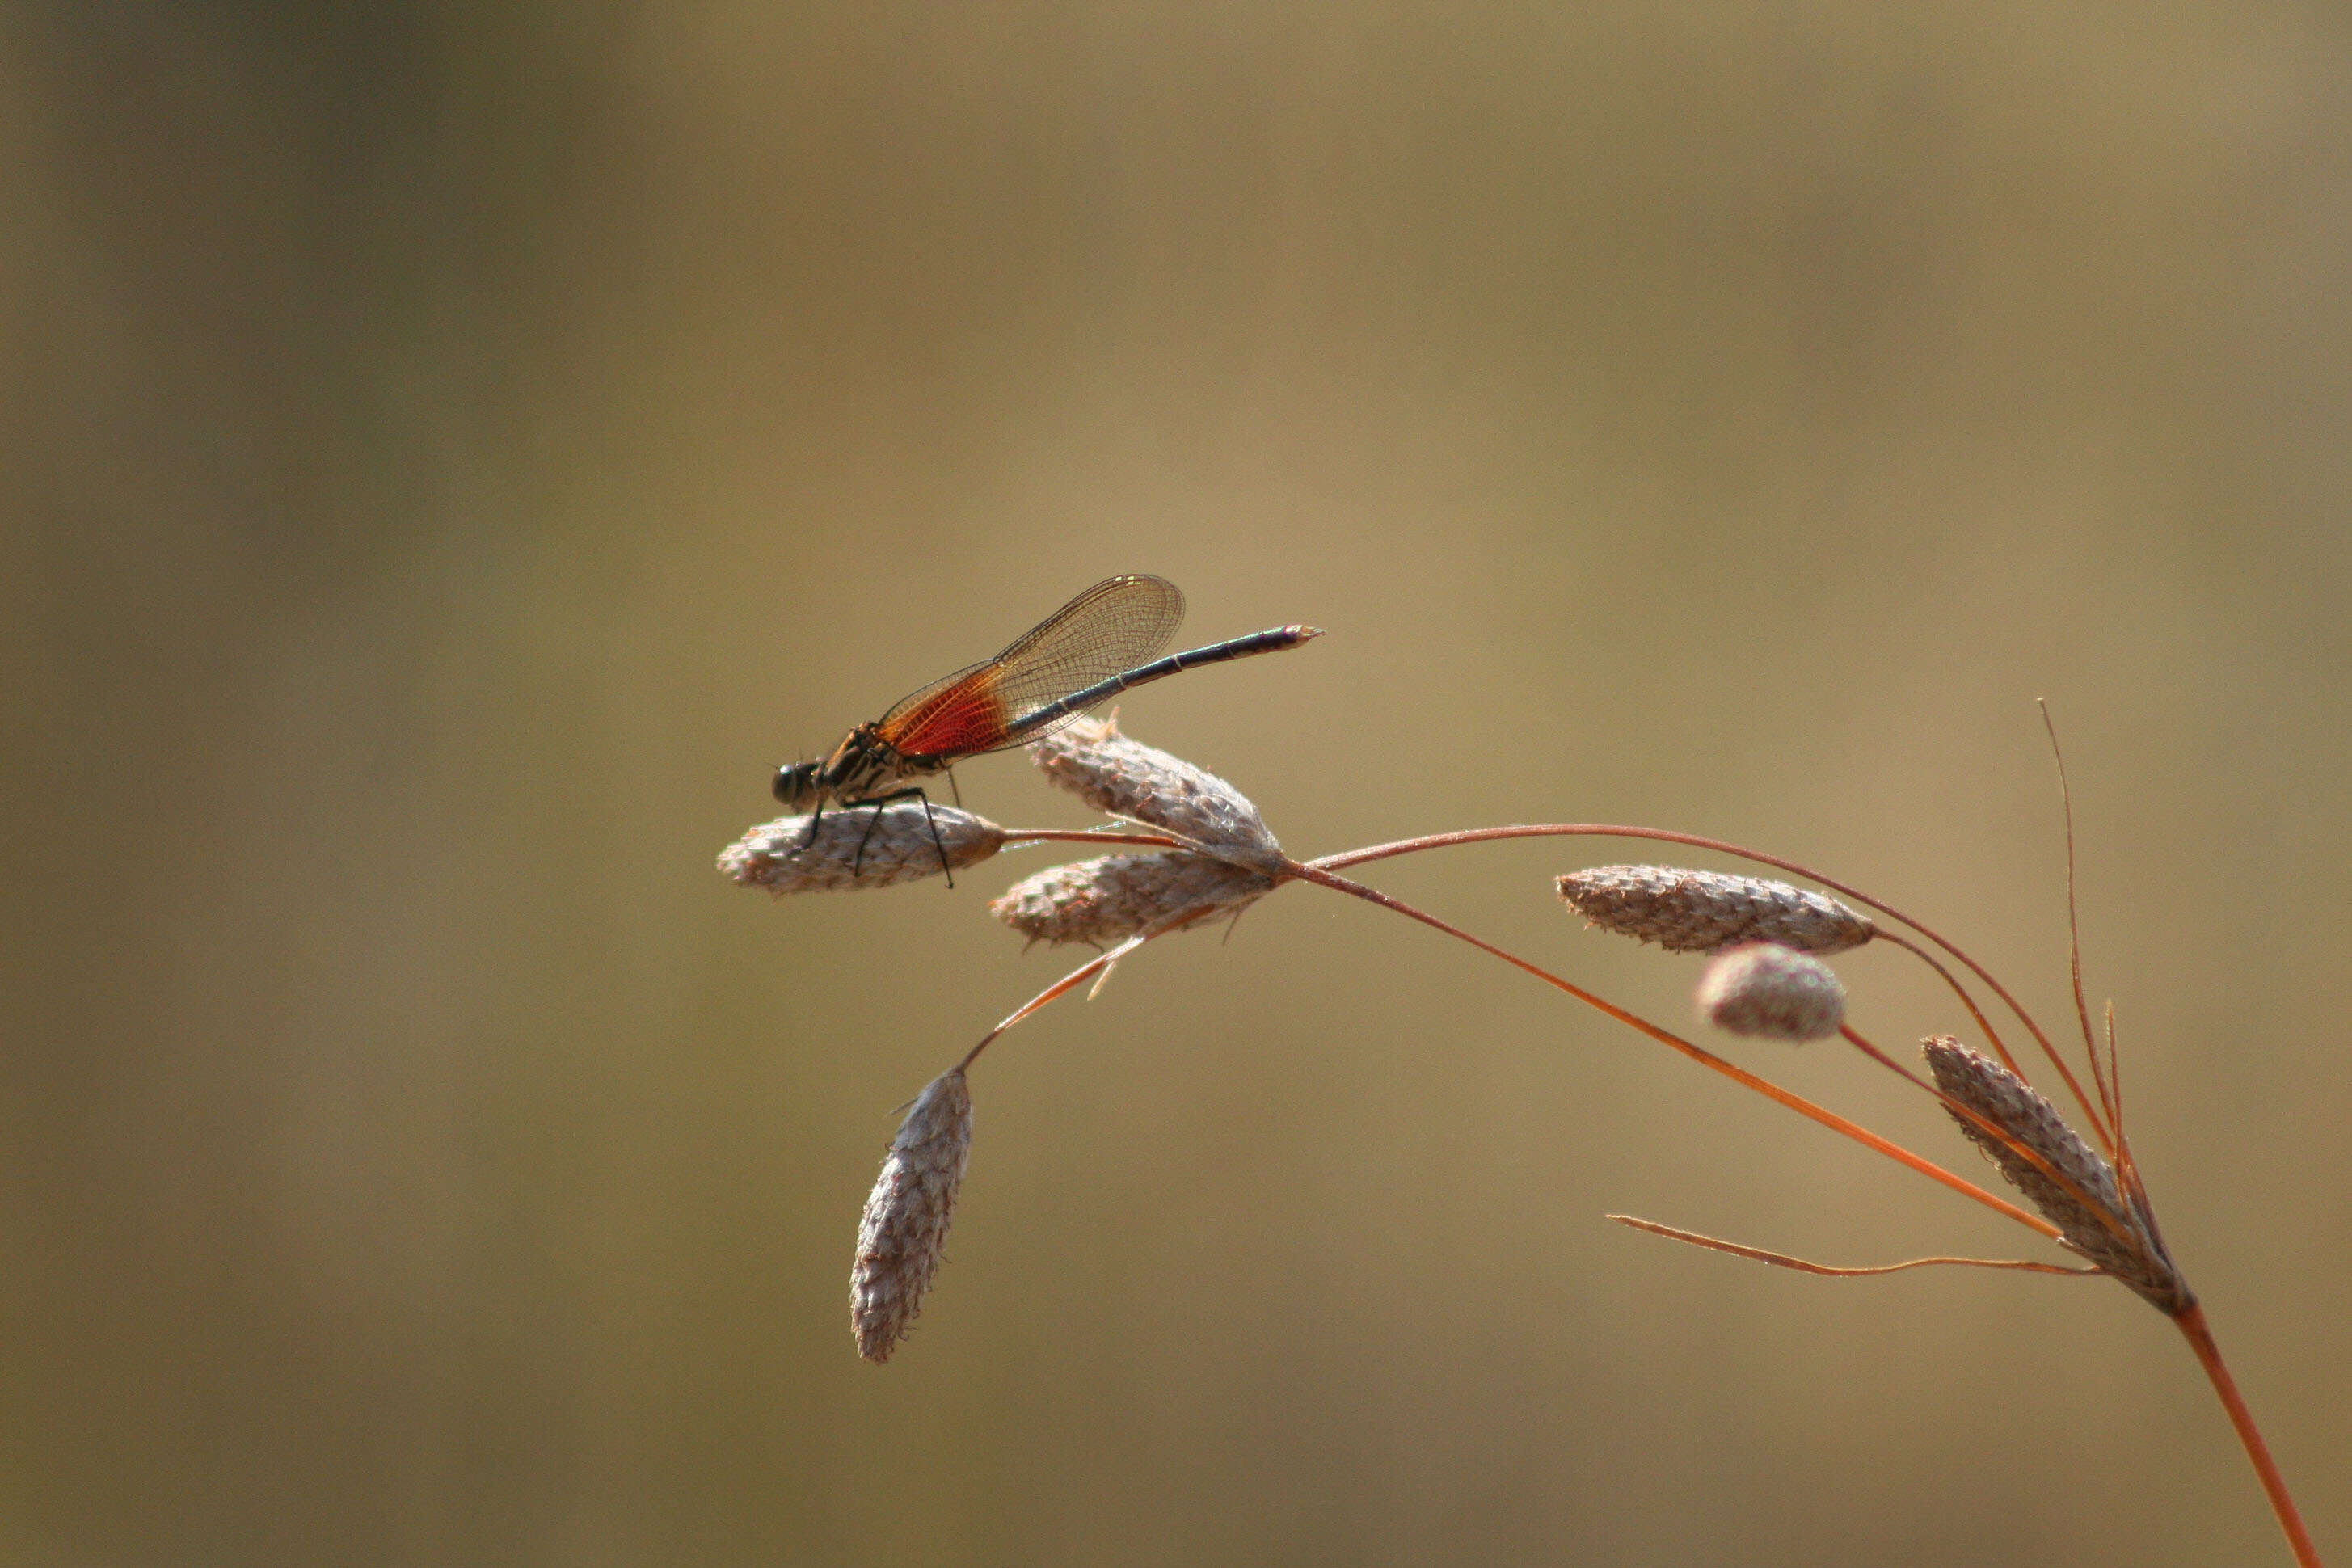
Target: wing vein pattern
1110, 629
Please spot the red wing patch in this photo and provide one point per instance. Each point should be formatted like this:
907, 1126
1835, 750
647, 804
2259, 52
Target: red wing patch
965, 719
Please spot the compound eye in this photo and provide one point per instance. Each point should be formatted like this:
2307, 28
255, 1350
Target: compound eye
787, 783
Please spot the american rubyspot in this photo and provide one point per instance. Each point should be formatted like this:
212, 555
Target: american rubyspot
1082, 654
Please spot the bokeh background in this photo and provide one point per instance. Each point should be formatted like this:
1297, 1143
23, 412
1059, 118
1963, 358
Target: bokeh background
455, 452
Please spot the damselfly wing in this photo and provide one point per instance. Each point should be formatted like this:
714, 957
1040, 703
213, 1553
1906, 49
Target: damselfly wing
1111, 628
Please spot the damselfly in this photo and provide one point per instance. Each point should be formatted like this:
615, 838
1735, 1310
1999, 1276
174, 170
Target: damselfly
1092, 648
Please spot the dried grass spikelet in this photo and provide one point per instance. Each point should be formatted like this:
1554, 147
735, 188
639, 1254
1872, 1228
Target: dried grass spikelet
2109, 1230
1110, 898
1767, 991
1120, 777
906, 1218
900, 848
1702, 912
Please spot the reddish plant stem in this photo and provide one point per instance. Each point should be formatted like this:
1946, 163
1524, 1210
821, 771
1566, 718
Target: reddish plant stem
1695, 841
1782, 1261
1992, 1035
2200, 1335
2109, 1098
1093, 966
2191, 1324
1705, 1059
1071, 835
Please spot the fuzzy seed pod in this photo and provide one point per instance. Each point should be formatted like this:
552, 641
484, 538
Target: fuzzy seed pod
906, 1218
2134, 1257
1120, 777
899, 848
1702, 912
1110, 898
1769, 992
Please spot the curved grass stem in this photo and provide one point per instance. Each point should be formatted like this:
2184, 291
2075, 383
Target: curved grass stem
1317, 874
1324, 873
2200, 1335
2191, 1323
1099, 964
1803, 1265
1698, 841
1076, 836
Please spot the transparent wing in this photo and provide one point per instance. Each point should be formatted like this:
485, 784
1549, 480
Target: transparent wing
1110, 628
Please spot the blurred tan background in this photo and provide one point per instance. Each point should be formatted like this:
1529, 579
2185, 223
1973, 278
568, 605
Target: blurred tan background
454, 453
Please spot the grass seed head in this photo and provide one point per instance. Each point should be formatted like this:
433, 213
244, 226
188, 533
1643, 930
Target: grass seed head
1704, 911
900, 849
1120, 777
906, 1218
2010, 1103
1767, 991
1109, 899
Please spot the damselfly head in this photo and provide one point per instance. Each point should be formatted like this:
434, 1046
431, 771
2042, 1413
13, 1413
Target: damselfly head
797, 784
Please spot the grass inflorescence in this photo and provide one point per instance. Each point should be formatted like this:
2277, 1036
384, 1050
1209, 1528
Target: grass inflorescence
1197, 850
